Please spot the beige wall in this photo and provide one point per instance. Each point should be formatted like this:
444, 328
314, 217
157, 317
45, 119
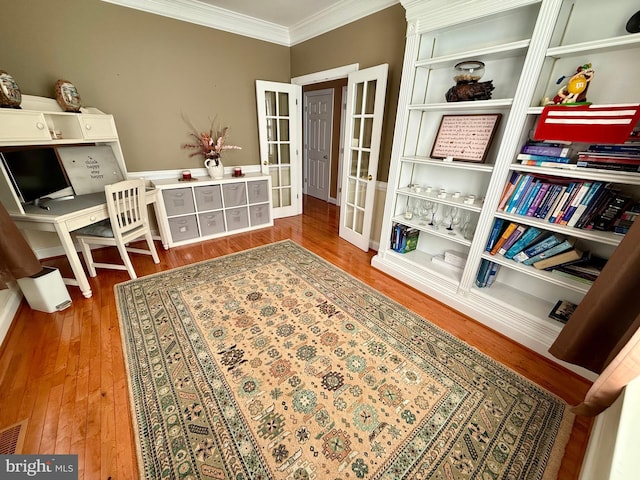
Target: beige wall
146, 70
376, 39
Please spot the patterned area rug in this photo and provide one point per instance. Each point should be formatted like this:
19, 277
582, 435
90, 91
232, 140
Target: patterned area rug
272, 363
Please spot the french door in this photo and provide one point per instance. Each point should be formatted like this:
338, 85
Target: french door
366, 90
280, 131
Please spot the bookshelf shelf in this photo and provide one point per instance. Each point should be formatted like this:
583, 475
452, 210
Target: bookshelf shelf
499, 51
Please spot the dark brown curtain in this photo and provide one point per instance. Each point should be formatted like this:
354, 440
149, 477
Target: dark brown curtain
608, 316
17, 260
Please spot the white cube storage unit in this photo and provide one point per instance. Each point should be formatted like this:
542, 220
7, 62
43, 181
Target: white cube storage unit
205, 208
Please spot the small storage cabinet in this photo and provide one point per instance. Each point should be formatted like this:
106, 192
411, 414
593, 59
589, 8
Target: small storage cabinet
205, 208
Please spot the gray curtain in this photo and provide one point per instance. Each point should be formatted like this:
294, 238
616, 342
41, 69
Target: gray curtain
17, 260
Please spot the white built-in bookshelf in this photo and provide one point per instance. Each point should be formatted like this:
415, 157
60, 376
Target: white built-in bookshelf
525, 46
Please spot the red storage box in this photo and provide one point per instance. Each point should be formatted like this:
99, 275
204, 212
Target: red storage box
588, 123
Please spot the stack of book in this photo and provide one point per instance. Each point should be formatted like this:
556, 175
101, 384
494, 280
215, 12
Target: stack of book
622, 158
543, 250
404, 239
486, 273
564, 201
545, 154
626, 219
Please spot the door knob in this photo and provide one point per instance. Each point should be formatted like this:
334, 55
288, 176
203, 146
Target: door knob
370, 177
325, 157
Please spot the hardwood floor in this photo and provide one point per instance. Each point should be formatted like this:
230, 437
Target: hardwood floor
65, 371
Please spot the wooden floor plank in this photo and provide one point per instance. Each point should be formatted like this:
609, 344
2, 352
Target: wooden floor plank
66, 373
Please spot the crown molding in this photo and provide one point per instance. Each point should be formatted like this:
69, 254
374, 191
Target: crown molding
200, 13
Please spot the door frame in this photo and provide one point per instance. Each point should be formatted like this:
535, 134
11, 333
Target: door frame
319, 77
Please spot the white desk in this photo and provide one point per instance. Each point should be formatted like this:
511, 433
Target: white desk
65, 216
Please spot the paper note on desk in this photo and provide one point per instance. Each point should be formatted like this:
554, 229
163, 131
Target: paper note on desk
90, 168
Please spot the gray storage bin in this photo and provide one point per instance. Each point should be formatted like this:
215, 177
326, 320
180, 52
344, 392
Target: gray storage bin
235, 194
183, 228
178, 201
208, 197
259, 214
237, 218
258, 191
211, 223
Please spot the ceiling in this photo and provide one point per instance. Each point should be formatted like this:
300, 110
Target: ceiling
285, 22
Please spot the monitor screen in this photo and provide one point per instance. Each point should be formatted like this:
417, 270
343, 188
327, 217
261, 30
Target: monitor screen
36, 173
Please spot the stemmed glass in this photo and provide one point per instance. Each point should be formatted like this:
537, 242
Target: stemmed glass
434, 209
453, 214
466, 226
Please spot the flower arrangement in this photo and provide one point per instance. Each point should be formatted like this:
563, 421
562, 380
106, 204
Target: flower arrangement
209, 144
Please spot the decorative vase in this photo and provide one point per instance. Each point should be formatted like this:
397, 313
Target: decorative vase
215, 171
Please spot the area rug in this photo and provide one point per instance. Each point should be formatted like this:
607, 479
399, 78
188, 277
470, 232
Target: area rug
273, 363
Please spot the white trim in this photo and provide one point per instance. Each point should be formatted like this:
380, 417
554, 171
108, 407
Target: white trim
10, 302
200, 13
326, 75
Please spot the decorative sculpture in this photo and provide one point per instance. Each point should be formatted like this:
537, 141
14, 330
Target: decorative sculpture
467, 87
575, 91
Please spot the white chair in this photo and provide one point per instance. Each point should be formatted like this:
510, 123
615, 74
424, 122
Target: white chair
128, 221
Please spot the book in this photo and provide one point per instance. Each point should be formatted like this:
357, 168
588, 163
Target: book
503, 238
537, 200
626, 219
547, 242
562, 202
525, 198
483, 273
493, 272
548, 201
524, 241
561, 247
528, 199
517, 193
600, 199
546, 164
584, 204
496, 231
517, 233
620, 148
562, 311
618, 167
572, 276
546, 150
508, 189
558, 259
542, 158
404, 238
575, 201
612, 210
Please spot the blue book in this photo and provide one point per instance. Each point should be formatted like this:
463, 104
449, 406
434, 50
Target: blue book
555, 250
561, 205
529, 198
546, 150
542, 158
495, 234
483, 273
523, 242
551, 201
545, 244
542, 191
520, 188
493, 272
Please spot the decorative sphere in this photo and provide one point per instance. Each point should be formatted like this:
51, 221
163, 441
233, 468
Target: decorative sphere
468, 71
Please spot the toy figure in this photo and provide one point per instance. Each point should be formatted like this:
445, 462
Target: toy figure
575, 91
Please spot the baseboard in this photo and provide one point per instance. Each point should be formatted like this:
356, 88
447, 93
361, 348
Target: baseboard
10, 299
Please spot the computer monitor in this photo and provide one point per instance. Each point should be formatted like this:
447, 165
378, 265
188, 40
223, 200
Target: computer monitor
36, 173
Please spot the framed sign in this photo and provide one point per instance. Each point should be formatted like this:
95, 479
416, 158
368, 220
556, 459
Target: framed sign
465, 137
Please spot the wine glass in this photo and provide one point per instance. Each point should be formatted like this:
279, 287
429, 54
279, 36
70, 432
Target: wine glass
434, 210
455, 220
423, 211
466, 226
